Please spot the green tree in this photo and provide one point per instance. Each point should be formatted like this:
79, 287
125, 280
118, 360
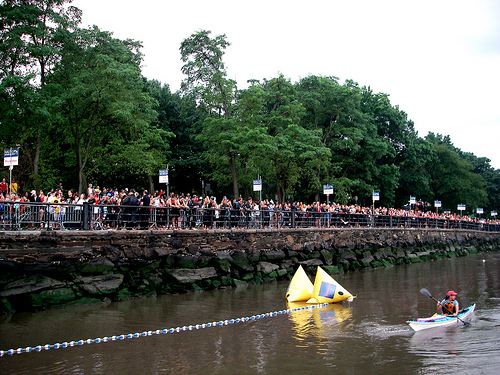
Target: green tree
180, 116
29, 50
482, 167
415, 177
350, 134
100, 102
294, 151
207, 82
452, 179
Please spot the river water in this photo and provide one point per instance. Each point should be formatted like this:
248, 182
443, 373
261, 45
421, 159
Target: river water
366, 336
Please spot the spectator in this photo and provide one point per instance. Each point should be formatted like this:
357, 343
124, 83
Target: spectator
3, 187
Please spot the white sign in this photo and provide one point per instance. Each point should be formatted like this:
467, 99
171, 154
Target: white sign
493, 213
10, 157
479, 211
164, 176
327, 189
376, 196
437, 204
413, 200
461, 207
257, 185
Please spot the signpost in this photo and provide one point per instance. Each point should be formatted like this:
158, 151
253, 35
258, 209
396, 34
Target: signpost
437, 204
164, 179
257, 186
375, 197
328, 189
10, 158
461, 208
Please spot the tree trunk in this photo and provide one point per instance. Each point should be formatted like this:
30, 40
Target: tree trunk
151, 184
234, 177
36, 160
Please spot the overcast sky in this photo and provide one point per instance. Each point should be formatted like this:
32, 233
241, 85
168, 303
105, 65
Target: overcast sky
438, 60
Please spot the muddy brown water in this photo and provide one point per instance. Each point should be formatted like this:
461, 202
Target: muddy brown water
366, 336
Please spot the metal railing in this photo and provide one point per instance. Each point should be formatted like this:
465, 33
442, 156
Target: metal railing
62, 216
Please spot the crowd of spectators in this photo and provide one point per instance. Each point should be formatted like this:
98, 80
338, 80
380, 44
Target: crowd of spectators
114, 208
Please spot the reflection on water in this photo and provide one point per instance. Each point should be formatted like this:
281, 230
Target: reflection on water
366, 336
318, 321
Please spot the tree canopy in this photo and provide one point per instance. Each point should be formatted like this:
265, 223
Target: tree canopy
75, 101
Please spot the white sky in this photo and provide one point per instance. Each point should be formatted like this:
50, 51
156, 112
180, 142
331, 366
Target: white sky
438, 60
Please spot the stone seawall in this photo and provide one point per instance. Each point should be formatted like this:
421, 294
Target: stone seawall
52, 268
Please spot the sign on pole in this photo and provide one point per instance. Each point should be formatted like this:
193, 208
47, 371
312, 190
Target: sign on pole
164, 176
327, 189
257, 185
437, 204
493, 213
376, 196
413, 200
479, 211
461, 207
10, 157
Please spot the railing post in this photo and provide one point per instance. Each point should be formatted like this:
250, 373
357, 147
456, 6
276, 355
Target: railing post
85, 216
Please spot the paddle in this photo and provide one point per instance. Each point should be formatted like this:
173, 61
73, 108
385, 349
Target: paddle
425, 292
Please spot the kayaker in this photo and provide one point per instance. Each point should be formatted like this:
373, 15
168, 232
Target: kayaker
449, 305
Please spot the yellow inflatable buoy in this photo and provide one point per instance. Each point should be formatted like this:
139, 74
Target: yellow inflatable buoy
300, 287
327, 290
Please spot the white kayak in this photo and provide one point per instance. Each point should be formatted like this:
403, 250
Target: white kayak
441, 320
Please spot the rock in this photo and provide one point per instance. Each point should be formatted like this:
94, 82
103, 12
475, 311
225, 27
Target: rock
52, 297
191, 275
239, 283
326, 256
97, 265
101, 283
311, 263
266, 267
30, 284
274, 255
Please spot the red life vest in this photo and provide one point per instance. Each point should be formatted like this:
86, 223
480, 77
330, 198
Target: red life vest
448, 307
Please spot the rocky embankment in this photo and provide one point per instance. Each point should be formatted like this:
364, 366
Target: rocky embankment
54, 268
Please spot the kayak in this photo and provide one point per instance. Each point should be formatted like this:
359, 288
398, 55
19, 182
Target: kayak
441, 320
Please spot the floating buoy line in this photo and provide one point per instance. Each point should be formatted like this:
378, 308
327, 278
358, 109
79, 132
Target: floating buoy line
136, 335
